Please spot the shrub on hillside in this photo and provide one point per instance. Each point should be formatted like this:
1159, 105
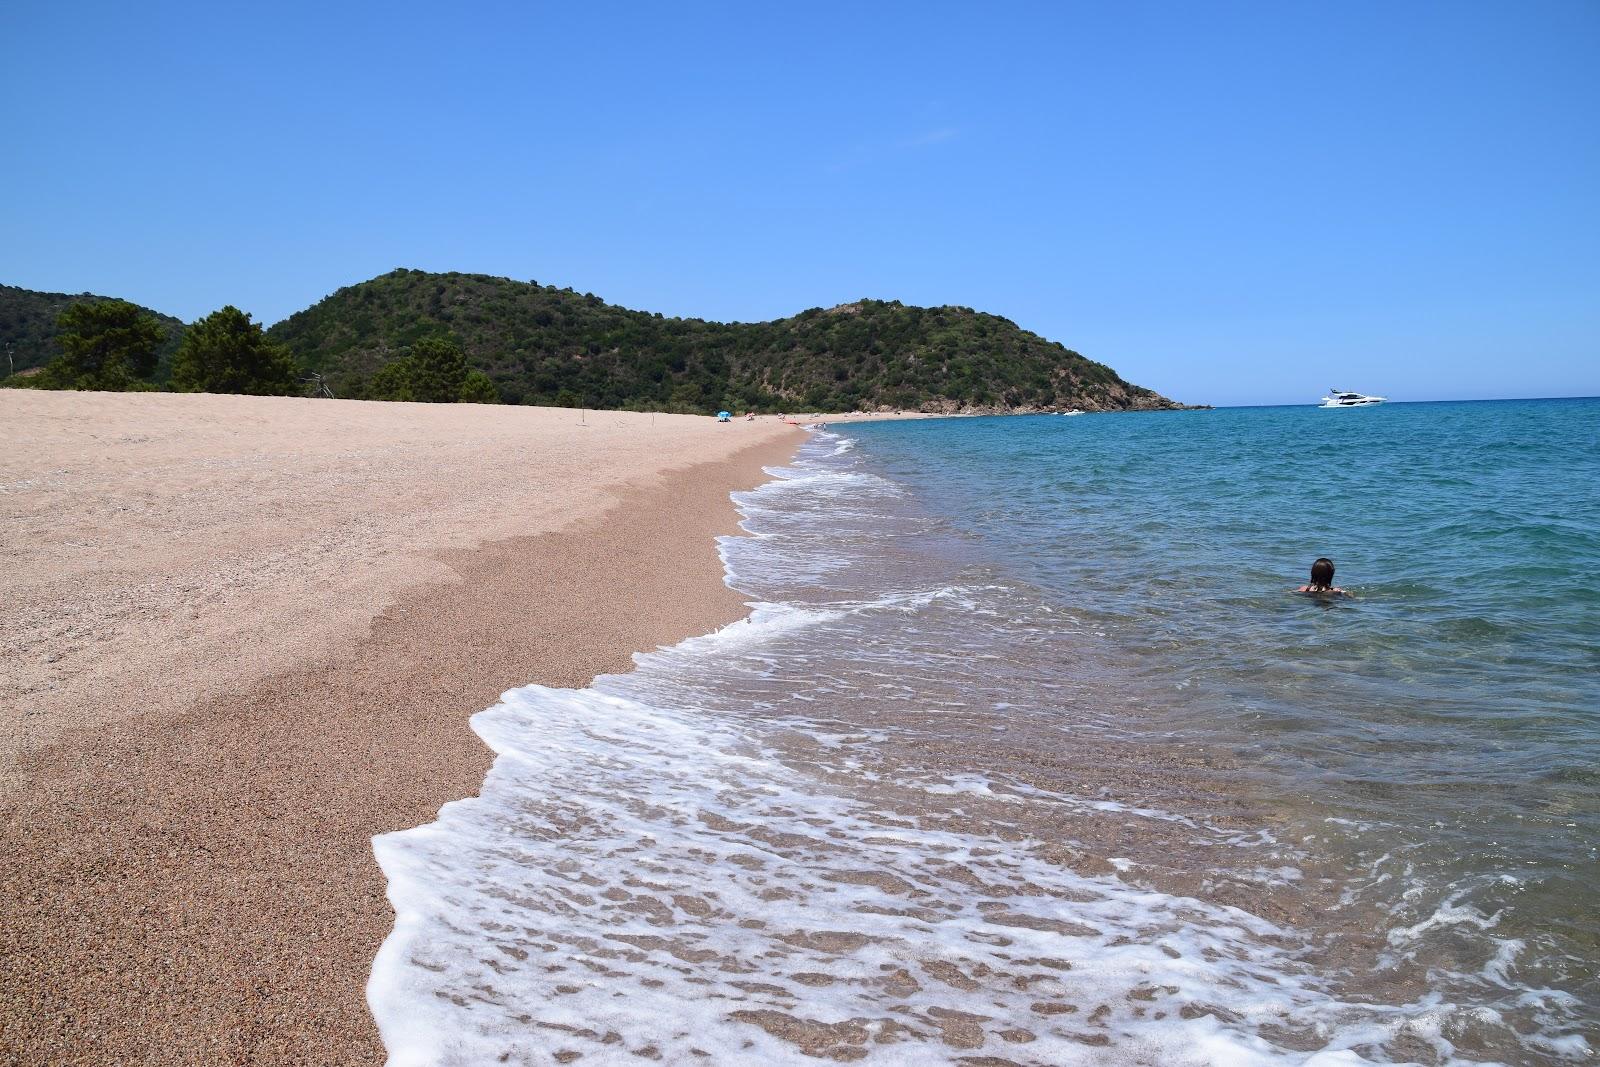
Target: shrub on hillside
434, 372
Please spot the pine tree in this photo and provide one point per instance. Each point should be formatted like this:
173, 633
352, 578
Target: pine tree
227, 353
106, 344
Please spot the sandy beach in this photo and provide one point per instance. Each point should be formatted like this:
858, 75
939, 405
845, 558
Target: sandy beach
244, 634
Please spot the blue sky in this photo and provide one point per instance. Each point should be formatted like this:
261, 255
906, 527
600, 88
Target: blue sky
1230, 203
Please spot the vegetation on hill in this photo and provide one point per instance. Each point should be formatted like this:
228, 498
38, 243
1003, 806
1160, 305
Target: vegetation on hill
30, 335
410, 335
542, 345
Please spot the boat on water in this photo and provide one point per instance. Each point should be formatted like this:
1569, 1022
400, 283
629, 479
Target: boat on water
1343, 398
1074, 411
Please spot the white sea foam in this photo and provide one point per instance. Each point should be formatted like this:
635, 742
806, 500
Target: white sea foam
638, 878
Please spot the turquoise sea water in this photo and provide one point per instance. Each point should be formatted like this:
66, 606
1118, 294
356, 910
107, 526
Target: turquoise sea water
1446, 720
1027, 755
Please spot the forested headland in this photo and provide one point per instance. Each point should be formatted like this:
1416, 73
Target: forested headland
412, 335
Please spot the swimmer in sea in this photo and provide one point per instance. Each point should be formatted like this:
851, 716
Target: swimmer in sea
1322, 580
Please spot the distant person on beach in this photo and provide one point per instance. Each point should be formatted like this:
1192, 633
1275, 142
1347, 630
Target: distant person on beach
1322, 580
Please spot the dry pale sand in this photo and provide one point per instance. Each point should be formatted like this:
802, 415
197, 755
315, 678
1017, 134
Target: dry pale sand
243, 635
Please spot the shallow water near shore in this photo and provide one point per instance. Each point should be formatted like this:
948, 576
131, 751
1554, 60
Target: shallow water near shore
1025, 755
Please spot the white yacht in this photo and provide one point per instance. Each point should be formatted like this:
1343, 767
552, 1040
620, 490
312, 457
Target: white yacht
1343, 398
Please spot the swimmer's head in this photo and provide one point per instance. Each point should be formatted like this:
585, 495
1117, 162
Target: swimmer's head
1322, 573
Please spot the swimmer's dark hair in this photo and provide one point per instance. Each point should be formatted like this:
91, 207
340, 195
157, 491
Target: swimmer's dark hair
1322, 573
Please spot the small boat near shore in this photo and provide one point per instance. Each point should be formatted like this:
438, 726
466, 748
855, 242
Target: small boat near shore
1343, 398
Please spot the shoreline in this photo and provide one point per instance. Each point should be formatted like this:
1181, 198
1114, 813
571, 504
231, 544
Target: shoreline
194, 882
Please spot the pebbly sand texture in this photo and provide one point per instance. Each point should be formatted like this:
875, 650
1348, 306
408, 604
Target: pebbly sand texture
244, 634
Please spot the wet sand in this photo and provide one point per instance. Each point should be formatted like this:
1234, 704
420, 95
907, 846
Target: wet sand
245, 635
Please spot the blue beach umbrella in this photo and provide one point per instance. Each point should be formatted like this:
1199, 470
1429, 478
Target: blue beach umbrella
723, 416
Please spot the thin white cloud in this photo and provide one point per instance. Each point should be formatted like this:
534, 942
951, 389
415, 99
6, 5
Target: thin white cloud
944, 133
866, 155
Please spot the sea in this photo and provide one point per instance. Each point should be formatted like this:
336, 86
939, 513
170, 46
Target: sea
1028, 753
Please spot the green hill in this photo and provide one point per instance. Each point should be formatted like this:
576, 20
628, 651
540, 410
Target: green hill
542, 345
28, 328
